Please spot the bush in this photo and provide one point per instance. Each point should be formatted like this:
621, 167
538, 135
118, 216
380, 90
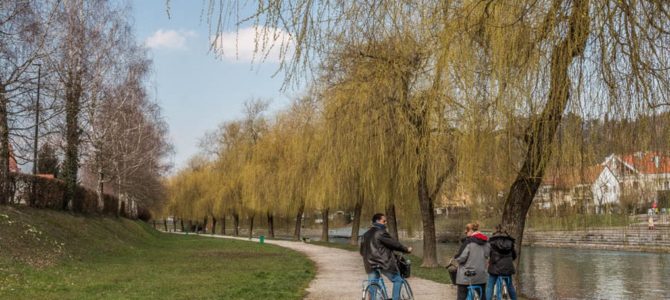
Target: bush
50, 194
143, 214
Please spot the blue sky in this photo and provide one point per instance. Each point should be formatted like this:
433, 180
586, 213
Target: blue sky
196, 90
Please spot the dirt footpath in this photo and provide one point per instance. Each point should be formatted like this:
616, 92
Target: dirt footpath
340, 274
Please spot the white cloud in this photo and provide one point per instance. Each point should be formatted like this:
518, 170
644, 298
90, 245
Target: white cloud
169, 39
253, 44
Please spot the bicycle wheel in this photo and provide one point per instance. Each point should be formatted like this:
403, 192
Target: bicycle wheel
504, 292
374, 292
406, 291
475, 296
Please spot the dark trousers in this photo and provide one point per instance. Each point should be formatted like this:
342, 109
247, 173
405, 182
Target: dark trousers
463, 291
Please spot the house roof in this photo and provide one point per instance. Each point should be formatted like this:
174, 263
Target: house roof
648, 162
566, 178
13, 166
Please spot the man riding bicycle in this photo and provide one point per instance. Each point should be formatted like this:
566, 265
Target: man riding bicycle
377, 248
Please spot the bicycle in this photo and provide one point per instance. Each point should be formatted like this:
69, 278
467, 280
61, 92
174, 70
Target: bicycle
375, 289
501, 288
474, 292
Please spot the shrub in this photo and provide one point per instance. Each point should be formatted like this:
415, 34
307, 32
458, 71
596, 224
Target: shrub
50, 194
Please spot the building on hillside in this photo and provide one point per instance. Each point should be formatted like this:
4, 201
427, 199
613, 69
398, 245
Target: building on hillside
633, 180
644, 178
574, 188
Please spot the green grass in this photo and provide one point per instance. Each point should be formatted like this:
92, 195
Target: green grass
438, 274
53, 255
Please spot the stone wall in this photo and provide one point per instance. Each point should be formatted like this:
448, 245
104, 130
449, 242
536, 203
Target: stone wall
630, 238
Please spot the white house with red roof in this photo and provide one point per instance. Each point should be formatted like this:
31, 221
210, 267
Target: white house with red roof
638, 179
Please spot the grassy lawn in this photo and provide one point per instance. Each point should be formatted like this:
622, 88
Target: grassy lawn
438, 274
53, 255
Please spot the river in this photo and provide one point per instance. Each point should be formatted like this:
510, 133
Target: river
560, 273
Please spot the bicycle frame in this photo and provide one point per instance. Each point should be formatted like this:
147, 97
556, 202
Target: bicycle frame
379, 281
506, 280
473, 289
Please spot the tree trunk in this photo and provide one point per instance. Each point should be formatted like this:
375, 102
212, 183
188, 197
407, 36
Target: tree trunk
73, 92
271, 226
213, 225
100, 187
119, 195
391, 221
204, 225
182, 224
298, 222
122, 209
236, 224
541, 131
223, 224
324, 226
428, 219
190, 226
251, 226
4, 148
356, 224
165, 224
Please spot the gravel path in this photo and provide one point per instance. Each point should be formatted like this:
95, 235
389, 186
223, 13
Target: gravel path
340, 273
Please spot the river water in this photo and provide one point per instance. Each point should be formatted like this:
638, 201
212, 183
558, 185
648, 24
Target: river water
560, 273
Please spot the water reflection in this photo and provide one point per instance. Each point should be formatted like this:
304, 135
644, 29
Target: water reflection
552, 273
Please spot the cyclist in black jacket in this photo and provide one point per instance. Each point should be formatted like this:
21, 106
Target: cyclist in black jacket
377, 248
501, 262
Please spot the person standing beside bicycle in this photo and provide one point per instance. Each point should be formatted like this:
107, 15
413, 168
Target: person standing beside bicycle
471, 258
501, 262
377, 248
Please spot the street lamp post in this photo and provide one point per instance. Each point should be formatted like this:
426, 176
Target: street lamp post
37, 119
37, 127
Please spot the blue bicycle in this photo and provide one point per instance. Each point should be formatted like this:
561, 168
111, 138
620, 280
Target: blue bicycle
501, 288
474, 291
375, 289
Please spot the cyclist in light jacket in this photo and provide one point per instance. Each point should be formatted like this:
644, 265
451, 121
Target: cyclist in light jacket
472, 257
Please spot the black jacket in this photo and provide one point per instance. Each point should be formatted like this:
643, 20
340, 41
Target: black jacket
377, 249
503, 255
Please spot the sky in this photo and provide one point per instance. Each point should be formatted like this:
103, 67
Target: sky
196, 90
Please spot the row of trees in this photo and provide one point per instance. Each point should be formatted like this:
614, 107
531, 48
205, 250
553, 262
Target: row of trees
73, 80
415, 99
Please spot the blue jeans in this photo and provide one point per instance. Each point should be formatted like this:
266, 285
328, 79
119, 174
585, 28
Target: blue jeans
395, 278
490, 285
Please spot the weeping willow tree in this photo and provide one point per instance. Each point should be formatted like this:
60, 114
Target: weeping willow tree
207, 180
606, 57
301, 158
522, 62
263, 182
187, 192
254, 126
386, 117
230, 164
